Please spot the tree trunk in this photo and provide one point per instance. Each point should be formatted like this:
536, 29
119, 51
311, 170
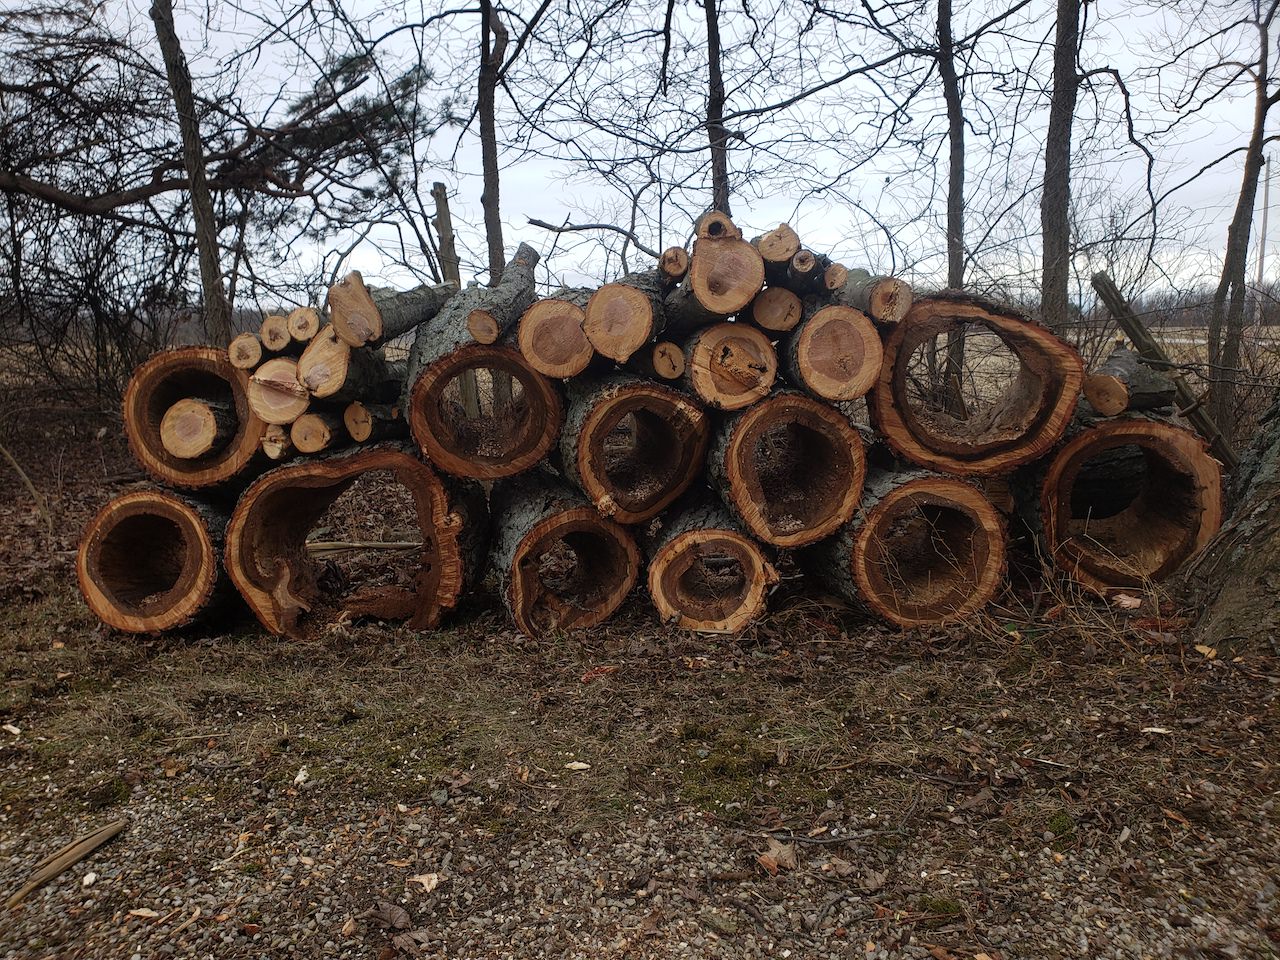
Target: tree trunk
217, 310
493, 48
367, 316
729, 365
955, 197
193, 428
1123, 382
330, 369
1055, 200
717, 134
834, 354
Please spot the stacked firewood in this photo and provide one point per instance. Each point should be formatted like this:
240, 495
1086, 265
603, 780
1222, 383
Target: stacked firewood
693, 423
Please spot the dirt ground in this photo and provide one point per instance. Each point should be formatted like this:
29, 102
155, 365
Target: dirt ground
1046, 782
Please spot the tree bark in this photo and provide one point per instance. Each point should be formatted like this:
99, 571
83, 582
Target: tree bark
367, 316
493, 48
717, 134
951, 94
883, 299
1055, 199
1123, 382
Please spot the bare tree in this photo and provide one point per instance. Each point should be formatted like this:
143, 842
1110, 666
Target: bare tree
1055, 200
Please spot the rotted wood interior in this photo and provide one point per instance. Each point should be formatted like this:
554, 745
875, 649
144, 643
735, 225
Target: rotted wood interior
729, 365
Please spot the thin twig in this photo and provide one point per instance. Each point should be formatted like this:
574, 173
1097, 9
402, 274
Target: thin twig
579, 227
31, 487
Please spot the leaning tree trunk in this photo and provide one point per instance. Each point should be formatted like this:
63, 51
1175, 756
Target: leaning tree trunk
790, 467
705, 573
834, 354
559, 564
1124, 382
729, 365
551, 335
367, 316
149, 561
266, 553
924, 550
630, 445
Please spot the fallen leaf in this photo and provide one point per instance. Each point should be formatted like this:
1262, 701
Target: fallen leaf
1126, 602
405, 943
390, 915
779, 856
144, 912
873, 880
577, 765
839, 866
1207, 651
595, 673
349, 928
249, 929
429, 881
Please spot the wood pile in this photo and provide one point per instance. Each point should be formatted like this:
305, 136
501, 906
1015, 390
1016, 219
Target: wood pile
693, 423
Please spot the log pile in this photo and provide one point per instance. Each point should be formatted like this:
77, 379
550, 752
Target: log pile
683, 427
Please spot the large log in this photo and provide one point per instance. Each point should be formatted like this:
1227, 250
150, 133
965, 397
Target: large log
275, 394
705, 573
623, 316
149, 561
201, 373
367, 316
729, 365
1018, 427
267, 558
1123, 382
631, 446
331, 369
790, 467
834, 354
551, 335
924, 550
1124, 502
725, 273
777, 247
886, 299
559, 564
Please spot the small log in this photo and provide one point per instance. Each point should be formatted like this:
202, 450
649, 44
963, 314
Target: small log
834, 277
559, 564
304, 323
245, 351
673, 265
1123, 382
368, 316
885, 299
804, 273
331, 369
315, 431
729, 365
777, 247
924, 550
172, 375
268, 560
149, 561
194, 428
371, 422
1017, 428
663, 360
274, 333
775, 309
630, 445
705, 573
275, 393
276, 442
623, 316
725, 274
834, 354
790, 467
552, 338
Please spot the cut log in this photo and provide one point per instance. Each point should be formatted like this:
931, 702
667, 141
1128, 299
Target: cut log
559, 564
705, 573
725, 274
729, 365
775, 309
194, 428
1123, 382
274, 332
276, 442
630, 445
1018, 427
924, 550
804, 273
275, 393
673, 265
316, 430
622, 317
886, 299
367, 316
552, 338
777, 247
834, 354
304, 323
791, 468
371, 422
1124, 502
204, 373
331, 369
663, 360
504, 439
267, 558
148, 561
834, 277
245, 351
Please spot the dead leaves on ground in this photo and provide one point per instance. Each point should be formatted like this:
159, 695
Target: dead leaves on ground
778, 856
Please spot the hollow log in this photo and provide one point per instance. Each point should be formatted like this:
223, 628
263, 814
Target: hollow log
673, 265
505, 438
725, 274
559, 564
777, 247
194, 428
266, 553
331, 369
276, 442
775, 309
552, 338
245, 351
705, 573
790, 467
834, 354
275, 394
729, 365
663, 360
303, 323
203, 373
630, 445
274, 333
886, 299
367, 316
317, 430
623, 316
149, 561
372, 422
1020, 426
924, 550
1123, 382
1124, 502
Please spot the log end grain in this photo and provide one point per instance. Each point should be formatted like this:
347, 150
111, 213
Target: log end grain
303, 323
775, 309
483, 326
619, 320
275, 393
726, 272
779, 245
323, 366
730, 365
836, 354
673, 264
552, 338
275, 332
1107, 394
710, 580
245, 351
352, 312
193, 428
